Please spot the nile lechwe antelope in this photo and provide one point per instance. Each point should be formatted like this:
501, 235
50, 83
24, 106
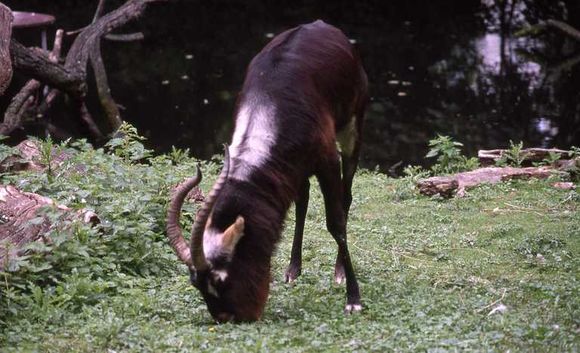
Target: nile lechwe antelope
303, 93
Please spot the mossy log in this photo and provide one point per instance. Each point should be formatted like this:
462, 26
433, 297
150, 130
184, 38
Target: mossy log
24, 219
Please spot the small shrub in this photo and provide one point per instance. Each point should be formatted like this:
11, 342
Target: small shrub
513, 155
126, 188
128, 144
415, 172
449, 156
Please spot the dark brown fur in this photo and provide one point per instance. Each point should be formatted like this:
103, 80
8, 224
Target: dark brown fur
316, 82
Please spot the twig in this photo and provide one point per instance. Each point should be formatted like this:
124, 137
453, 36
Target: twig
88, 119
54, 55
523, 209
564, 28
493, 303
98, 13
99, 10
14, 113
461, 249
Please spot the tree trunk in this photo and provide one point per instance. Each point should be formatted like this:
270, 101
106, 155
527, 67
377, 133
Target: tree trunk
5, 35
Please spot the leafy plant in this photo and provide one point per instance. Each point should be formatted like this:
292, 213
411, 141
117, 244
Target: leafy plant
46, 155
129, 198
552, 158
415, 172
449, 156
5, 150
128, 144
178, 155
513, 155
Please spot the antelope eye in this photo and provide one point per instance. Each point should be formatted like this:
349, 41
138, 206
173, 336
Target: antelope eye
211, 289
193, 278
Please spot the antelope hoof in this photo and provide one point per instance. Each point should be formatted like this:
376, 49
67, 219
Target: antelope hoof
352, 308
292, 273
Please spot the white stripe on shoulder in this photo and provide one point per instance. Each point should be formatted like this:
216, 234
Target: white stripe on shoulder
254, 136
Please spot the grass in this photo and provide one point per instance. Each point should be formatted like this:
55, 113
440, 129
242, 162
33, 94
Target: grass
494, 271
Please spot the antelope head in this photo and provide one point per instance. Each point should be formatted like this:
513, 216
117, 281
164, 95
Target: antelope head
231, 288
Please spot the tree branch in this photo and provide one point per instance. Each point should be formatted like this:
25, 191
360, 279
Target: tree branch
35, 63
564, 28
107, 102
22, 101
70, 77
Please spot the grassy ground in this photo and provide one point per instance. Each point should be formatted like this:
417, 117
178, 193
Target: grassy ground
494, 271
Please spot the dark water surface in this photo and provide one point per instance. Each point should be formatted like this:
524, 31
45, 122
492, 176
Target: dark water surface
448, 67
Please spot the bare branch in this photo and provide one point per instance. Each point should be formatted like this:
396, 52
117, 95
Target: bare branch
107, 102
129, 37
564, 28
18, 106
88, 119
70, 78
21, 102
54, 55
35, 63
99, 10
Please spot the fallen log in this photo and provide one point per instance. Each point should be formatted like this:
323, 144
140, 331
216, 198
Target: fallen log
529, 155
27, 156
457, 184
23, 219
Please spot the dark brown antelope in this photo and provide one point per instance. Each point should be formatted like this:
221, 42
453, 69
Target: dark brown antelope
303, 93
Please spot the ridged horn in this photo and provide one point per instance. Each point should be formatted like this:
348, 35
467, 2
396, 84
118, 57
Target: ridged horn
172, 228
197, 254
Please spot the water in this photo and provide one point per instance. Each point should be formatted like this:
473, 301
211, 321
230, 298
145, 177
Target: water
452, 68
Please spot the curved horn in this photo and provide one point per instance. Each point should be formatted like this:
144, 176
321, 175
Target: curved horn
172, 228
198, 256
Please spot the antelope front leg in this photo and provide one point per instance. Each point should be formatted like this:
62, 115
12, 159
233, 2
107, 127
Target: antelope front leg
349, 164
331, 186
295, 266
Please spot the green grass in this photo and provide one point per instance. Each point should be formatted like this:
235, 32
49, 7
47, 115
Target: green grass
431, 272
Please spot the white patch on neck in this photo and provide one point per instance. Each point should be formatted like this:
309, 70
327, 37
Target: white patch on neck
211, 243
220, 275
254, 137
213, 248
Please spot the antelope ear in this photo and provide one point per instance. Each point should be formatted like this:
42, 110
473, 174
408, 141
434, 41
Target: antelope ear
232, 235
